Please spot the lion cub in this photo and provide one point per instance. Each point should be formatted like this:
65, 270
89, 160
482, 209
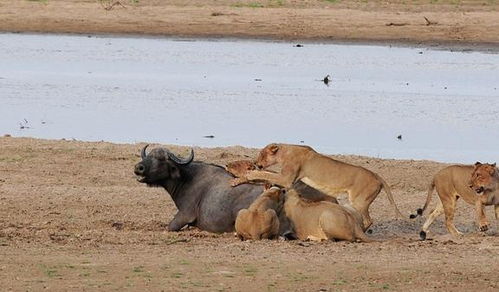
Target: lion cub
323, 220
260, 220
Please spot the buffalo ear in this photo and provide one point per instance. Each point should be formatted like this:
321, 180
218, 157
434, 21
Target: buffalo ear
478, 163
267, 186
494, 164
274, 148
174, 172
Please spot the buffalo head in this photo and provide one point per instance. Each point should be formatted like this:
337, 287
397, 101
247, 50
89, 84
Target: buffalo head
159, 166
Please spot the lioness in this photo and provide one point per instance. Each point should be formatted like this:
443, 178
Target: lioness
452, 183
241, 168
260, 220
330, 176
485, 182
322, 220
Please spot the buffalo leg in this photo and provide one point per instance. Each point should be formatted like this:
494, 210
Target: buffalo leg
180, 220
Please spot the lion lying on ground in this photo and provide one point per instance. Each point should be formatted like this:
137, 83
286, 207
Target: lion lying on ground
460, 181
330, 176
260, 220
323, 220
241, 168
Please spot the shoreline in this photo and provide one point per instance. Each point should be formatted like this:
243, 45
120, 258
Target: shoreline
452, 46
444, 26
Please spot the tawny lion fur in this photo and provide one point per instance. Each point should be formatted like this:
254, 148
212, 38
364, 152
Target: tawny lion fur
323, 220
330, 176
260, 220
462, 181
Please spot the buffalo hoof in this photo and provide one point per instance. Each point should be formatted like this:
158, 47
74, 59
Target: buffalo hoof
422, 235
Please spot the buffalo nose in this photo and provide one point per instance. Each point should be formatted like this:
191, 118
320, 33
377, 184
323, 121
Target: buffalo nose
139, 169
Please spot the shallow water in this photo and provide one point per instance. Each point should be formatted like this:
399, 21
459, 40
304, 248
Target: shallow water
175, 91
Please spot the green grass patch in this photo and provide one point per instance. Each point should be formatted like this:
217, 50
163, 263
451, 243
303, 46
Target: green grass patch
250, 5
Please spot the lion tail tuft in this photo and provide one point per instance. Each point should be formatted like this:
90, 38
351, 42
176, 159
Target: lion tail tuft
419, 211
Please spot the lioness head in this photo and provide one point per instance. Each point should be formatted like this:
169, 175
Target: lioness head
268, 156
240, 168
484, 177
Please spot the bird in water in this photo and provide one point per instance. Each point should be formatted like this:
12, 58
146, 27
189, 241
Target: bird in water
326, 80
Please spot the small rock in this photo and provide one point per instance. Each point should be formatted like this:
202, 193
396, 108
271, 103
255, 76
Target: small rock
117, 225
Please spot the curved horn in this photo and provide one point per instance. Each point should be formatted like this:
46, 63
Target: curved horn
143, 152
180, 160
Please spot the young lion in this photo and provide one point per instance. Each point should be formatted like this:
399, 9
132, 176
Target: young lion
323, 220
260, 220
240, 168
452, 183
330, 176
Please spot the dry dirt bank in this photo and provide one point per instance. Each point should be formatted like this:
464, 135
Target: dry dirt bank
450, 21
73, 217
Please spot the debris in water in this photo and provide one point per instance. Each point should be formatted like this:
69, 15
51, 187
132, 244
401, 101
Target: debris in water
399, 137
24, 124
209, 136
258, 79
298, 46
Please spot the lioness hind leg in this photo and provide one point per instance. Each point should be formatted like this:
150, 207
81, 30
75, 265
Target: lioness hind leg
362, 198
439, 210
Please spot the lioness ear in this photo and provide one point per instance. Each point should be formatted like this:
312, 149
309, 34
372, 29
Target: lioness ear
493, 170
274, 148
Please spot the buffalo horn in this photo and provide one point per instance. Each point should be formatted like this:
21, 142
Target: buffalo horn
180, 160
143, 152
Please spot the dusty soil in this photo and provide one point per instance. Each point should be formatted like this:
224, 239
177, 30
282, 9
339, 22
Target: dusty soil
449, 21
73, 218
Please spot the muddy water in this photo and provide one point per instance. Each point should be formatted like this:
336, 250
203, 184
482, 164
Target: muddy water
120, 89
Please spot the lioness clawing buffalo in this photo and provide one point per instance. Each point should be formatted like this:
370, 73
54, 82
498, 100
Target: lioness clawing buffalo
302, 203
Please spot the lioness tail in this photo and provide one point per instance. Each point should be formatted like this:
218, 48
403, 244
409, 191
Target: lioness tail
390, 196
419, 212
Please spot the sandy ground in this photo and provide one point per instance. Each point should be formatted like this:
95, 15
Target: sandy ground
468, 22
73, 218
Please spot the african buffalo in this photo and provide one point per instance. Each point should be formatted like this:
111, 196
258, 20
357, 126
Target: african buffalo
202, 191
